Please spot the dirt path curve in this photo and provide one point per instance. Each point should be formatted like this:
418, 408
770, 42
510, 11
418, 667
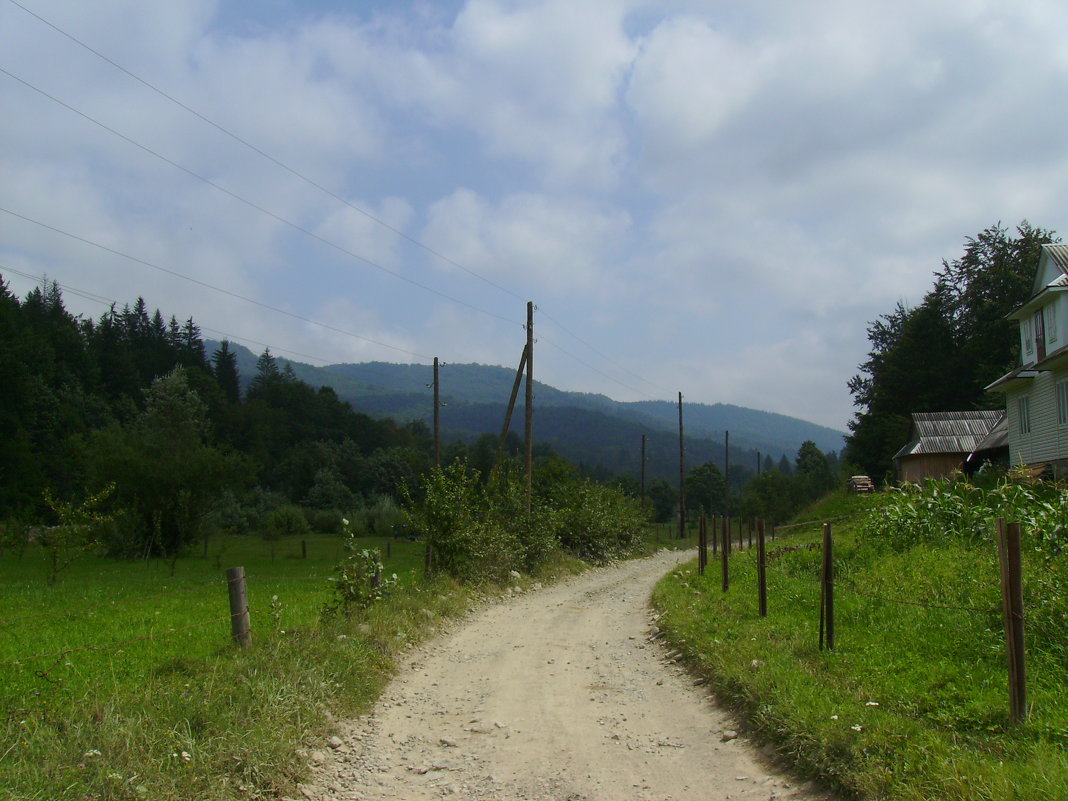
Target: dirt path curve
557, 694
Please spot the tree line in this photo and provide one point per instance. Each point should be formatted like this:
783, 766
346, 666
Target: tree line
939, 355
127, 420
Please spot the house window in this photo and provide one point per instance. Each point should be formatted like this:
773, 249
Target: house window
1051, 321
1062, 403
1040, 334
1023, 413
1029, 340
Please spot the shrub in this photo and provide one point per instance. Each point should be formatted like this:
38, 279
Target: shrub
285, 521
358, 580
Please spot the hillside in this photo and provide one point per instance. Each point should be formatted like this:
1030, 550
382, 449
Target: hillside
587, 428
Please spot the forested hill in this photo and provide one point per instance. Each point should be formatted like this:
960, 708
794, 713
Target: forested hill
587, 428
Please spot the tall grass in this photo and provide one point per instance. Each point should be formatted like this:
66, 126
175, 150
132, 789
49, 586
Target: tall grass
912, 703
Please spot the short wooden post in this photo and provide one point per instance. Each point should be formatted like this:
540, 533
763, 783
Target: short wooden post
702, 544
827, 591
240, 627
750, 532
741, 542
762, 570
715, 535
725, 553
1010, 561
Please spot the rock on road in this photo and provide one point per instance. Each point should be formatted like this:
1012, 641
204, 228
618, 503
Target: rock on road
557, 694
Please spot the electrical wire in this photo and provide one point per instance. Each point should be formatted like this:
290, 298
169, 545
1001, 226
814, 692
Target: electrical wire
212, 287
106, 301
278, 162
252, 204
311, 182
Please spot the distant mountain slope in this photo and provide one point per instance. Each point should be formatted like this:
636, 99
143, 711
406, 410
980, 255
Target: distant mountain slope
584, 427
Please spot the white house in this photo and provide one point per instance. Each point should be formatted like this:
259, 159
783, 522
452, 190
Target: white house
1036, 392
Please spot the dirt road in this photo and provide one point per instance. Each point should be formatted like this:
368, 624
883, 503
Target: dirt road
556, 694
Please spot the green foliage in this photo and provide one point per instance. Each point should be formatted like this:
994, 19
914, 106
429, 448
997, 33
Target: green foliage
165, 470
947, 509
482, 531
912, 703
77, 531
358, 580
287, 520
380, 518
100, 723
940, 355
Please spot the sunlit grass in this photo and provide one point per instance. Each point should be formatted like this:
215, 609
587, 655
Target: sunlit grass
912, 703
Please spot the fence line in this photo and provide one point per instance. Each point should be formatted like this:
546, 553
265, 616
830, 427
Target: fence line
1009, 557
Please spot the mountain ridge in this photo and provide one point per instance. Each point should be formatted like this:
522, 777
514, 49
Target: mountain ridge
475, 397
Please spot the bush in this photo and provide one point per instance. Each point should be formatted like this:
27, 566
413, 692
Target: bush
378, 519
600, 523
285, 521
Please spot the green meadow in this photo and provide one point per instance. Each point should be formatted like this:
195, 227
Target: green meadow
912, 703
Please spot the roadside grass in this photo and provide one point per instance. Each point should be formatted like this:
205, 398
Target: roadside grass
121, 681
912, 703
143, 695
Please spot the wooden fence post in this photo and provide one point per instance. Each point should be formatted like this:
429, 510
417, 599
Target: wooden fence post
750, 532
240, 627
762, 570
725, 553
1012, 607
702, 544
827, 591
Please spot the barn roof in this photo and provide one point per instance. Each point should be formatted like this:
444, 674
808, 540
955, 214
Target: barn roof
949, 432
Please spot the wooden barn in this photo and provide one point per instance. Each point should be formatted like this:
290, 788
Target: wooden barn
941, 442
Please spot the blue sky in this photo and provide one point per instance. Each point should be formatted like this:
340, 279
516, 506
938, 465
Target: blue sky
712, 197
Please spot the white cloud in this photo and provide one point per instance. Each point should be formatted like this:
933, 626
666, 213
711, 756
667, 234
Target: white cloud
554, 245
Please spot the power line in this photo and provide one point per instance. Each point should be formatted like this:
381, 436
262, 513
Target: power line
212, 287
604, 356
589, 366
311, 182
106, 301
253, 205
222, 129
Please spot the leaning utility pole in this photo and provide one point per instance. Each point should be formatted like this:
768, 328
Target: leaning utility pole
530, 401
682, 476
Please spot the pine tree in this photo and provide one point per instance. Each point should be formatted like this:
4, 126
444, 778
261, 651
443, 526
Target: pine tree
224, 367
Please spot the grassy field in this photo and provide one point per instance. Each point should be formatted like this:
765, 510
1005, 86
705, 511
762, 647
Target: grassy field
912, 703
121, 681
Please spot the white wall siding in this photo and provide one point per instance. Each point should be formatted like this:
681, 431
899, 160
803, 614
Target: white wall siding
1048, 439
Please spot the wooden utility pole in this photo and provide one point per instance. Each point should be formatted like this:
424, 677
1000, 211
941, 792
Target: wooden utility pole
530, 402
682, 476
437, 416
727, 473
511, 404
643, 471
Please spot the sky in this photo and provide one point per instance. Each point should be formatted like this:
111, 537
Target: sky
712, 198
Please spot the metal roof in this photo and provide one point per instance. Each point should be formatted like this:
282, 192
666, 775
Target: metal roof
949, 432
1058, 254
